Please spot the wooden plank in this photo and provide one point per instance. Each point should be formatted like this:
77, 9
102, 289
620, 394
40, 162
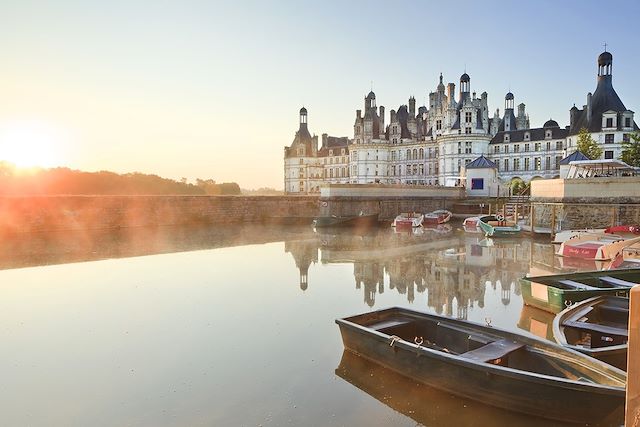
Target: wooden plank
632, 415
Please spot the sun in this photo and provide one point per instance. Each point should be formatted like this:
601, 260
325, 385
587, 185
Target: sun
29, 144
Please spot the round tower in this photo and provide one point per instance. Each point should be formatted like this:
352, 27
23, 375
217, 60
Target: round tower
508, 101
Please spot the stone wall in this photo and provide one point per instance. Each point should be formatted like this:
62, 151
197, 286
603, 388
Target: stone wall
571, 216
51, 213
587, 190
386, 208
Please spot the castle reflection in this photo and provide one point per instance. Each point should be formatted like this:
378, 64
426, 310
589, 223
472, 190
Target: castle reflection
452, 269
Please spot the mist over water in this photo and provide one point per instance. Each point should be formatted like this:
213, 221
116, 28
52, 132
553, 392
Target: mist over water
235, 326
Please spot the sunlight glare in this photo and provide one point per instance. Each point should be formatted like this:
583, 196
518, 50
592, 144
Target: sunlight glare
30, 144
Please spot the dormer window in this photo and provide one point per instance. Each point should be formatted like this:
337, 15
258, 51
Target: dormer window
627, 122
506, 137
527, 136
331, 152
547, 134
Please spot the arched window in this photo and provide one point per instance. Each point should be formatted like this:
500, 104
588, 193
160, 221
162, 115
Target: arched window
408, 154
415, 154
422, 153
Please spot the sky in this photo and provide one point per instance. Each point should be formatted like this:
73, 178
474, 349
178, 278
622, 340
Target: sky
205, 89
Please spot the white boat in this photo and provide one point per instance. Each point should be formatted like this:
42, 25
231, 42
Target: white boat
439, 216
624, 231
408, 220
472, 224
598, 247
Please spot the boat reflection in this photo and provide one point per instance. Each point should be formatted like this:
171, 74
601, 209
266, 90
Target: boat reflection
537, 322
423, 404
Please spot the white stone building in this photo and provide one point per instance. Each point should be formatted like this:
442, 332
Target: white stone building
432, 146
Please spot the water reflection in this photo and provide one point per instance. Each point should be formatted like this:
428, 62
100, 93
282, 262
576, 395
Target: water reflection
133, 337
423, 404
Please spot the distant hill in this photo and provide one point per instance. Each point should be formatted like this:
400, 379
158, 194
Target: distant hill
57, 181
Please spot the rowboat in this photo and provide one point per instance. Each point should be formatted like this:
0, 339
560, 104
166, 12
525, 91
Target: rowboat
497, 225
346, 221
595, 246
408, 220
555, 292
486, 364
597, 327
472, 224
625, 231
439, 216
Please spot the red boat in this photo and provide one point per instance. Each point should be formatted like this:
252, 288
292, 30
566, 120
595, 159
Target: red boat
437, 217
623, 229
595, 246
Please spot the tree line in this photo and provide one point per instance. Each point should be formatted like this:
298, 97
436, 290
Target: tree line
58, 181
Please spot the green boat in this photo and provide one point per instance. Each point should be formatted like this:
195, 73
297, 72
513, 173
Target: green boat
556, 292
497, 226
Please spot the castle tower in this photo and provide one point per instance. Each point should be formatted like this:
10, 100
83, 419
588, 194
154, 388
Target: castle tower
465, 87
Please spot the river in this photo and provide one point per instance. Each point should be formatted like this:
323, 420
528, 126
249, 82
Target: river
234, 326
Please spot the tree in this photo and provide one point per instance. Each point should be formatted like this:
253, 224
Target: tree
631, 150
588, 146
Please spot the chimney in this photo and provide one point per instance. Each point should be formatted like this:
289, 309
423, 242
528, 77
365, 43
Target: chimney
381, 117
325, 137
359, 114
412, 108
451, 93
393, 116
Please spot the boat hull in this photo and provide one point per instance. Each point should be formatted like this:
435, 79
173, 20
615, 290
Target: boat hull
497, 231
548, 293
504, 388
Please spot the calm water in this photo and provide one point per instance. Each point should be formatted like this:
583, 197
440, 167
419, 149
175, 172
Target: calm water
235, 326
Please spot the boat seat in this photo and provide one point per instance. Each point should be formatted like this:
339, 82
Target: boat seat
619, 282
492, 351
595, 327
578, 285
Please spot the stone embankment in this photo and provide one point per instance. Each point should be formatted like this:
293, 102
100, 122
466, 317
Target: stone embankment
54, 213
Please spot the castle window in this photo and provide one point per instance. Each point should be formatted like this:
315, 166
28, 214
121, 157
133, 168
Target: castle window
496, 149
526, 148
627, 122
559, 145
609, 122
558, 159
608, 154
516, 148
548, 146
467, 131
538, 163
506, 165
467, 117
408, 155
438, 124
527, 136
625, 137
467, 147
547, 134
547, 164
506, 137
422, 153
506, 149
342, 151
516, 164
415, 154
608, 138
459, 147
537, 146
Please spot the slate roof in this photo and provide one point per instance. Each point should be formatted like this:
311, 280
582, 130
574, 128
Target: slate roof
576, 155
481, 163
604, 99
536, 134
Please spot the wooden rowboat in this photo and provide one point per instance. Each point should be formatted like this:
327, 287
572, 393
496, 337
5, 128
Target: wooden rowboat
486, 364
439, 216
346, 221
597, 327
496, 226
555, 292
408, 220
600, 247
